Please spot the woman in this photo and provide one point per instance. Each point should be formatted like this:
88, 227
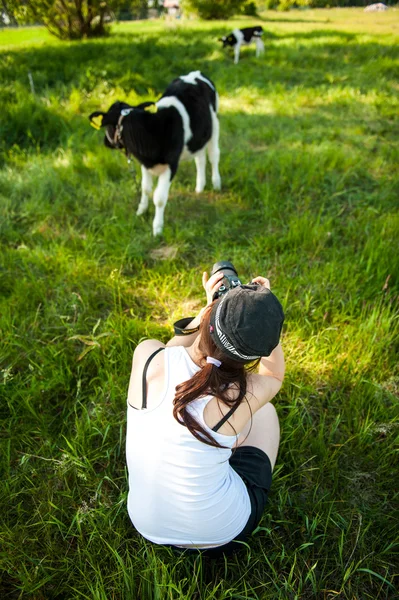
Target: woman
202, 436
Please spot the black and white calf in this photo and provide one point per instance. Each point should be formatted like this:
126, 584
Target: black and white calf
182, 124
240, 37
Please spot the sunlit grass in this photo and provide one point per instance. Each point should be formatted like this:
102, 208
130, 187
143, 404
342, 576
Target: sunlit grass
309, 141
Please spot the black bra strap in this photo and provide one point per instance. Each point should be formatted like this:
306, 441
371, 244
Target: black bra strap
225, 418
149, 359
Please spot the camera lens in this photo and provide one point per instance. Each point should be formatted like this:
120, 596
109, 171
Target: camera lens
230, 277
226, 266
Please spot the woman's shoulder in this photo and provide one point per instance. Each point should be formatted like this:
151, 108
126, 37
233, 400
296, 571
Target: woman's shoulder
145, 348
155, 369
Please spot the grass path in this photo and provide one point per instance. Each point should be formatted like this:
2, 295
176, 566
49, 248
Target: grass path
309, 163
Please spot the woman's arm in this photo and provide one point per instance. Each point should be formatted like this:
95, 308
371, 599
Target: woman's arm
267, 383
273, 365
271, 372
210, 286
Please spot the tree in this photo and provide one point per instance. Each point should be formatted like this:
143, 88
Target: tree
132, 9
8, 12
68, 19
216, 9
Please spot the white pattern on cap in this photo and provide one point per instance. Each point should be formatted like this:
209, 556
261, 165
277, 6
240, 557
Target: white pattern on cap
222, 337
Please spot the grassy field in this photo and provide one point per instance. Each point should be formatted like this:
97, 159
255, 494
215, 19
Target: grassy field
309, 163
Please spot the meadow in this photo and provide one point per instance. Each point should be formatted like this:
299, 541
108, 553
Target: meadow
309, 166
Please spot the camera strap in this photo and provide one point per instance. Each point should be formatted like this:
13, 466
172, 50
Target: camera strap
180, 326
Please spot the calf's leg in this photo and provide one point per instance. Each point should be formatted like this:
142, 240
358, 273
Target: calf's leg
160, 199
146, 189
214, 152
236, 53
200, 163
260, 47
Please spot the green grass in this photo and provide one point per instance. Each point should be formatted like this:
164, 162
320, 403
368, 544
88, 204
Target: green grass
310, 153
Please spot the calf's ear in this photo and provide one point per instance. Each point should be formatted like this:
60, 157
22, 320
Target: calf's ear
152, 108
96, 119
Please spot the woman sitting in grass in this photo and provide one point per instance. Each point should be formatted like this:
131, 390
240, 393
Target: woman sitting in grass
202, 435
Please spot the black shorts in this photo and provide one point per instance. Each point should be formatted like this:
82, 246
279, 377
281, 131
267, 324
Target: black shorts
254, 467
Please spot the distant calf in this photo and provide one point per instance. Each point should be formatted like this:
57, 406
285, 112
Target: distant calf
245, 36
182, 124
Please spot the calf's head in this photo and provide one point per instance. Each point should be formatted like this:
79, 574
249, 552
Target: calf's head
110, 121
228, 40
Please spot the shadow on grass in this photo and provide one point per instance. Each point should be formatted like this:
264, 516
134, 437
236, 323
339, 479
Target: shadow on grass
106, 59
148, 63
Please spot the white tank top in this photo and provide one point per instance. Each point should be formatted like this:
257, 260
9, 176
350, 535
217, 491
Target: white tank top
181, 491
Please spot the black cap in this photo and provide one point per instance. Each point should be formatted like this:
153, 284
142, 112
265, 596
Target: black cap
246, 322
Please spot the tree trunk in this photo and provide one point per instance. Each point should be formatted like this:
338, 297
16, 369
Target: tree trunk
9, 13
69, 19
80, 17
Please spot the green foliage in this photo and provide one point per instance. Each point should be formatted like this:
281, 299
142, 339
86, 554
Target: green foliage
8, 9
132, 9
309, 155
67, 19
249, 9
216, 9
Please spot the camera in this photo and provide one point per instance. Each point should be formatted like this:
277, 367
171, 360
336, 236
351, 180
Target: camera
230, 277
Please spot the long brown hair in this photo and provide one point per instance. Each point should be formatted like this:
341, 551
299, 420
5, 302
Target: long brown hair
211, 381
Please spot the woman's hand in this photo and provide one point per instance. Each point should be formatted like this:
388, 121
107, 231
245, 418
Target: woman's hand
211, 285
262, 281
